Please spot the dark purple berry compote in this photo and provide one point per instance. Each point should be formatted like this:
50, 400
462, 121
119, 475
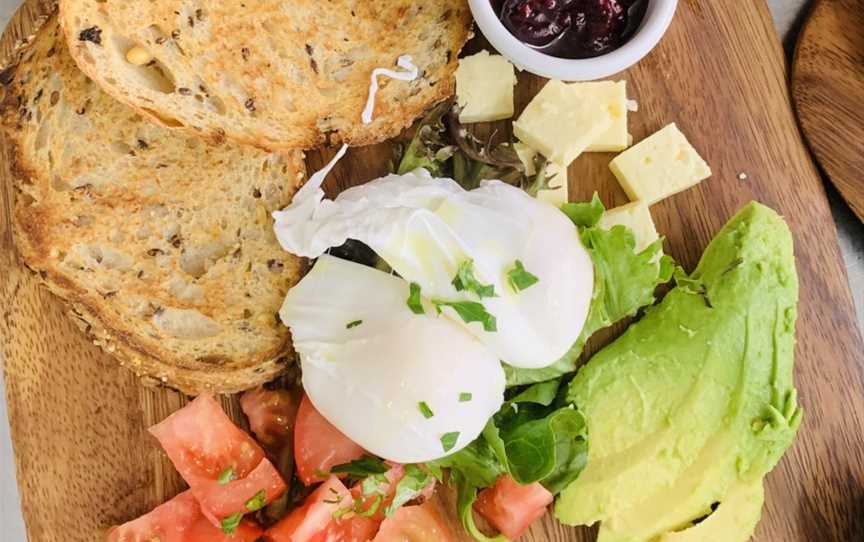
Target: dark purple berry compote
572, 28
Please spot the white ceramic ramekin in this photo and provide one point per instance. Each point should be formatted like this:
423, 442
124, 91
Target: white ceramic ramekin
657, 18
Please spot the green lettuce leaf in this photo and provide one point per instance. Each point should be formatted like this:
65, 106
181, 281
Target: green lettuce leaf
585, 215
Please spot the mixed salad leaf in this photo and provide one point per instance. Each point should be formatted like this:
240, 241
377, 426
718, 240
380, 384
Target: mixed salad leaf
445, 148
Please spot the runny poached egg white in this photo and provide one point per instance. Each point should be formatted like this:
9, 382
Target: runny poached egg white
369, 362
425, 228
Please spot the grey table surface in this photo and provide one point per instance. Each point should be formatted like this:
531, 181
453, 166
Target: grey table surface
788, 15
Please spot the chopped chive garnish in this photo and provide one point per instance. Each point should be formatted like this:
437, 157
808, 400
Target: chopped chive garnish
414, 302
470, 311
448, 441
229, 524
519, 278
425, 410
257, 502
226, 476
465, 279
353, 324
464, 397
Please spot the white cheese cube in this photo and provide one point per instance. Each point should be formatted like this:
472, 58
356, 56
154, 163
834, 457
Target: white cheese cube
484, 88
561, 121
659, 166
558, 193
635, 216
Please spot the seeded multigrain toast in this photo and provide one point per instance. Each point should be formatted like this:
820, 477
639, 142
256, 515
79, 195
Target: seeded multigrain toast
163, 244
272, 73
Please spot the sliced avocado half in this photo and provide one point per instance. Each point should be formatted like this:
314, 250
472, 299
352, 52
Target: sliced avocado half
697, 398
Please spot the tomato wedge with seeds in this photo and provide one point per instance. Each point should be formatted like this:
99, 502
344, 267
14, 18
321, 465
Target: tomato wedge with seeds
180, 520
420, 523
318, 446
511, 508
223, 465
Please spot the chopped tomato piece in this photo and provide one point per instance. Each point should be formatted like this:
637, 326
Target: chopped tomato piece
271, 414
351, 529
223, 465
221, 500
512, 508
310, 522
204, 531
318, 446
415, 524
180, 520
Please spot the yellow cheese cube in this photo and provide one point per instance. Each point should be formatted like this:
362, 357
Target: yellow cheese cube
635, 216
558, 193
613, 96
659, 166
484, 88
562, 121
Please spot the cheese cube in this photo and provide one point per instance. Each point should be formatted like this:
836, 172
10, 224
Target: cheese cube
484, 88
613, 96
659, 166
635, 216
558, 193
563, 120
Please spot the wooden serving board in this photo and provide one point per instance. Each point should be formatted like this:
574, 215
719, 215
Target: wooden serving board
828, 89
84, 460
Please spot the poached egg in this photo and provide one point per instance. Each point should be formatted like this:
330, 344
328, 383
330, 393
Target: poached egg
426, 228
407, 387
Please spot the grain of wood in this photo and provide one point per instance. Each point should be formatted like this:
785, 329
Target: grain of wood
828, 90
84, 460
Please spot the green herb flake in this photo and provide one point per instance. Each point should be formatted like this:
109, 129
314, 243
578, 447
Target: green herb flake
448, 440
365, 466
519, 278
257, 502
425, 410
355, 323
230, 524
465, 279
464, 397
471, 311
414, 302
227, 475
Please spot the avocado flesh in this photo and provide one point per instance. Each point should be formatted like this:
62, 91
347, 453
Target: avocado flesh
698, 396
733, 521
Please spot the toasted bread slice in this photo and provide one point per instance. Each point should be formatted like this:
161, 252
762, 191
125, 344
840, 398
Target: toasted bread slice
271, 73
163, 244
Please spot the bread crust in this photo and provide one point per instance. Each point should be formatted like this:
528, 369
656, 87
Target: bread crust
54, 147
268, 75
